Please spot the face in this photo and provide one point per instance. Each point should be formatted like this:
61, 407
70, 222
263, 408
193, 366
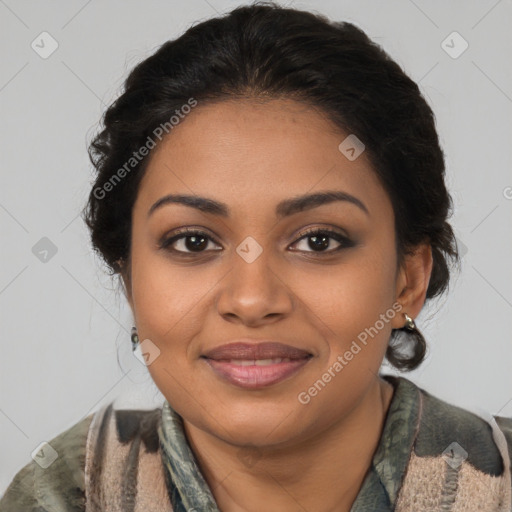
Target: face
311, 277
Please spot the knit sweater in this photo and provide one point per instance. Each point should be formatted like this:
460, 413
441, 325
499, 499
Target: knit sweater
431, 456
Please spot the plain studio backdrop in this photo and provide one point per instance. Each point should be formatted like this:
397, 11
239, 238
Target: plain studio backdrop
65, 329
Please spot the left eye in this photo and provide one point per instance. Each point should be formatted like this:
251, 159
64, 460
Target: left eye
319, 240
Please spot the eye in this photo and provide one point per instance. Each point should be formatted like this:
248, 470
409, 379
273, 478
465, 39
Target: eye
187, 241
320, 239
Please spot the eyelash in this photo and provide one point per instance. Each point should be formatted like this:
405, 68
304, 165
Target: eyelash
344, 242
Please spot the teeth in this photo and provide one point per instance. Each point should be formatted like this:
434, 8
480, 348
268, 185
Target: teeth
259, 362
265, 362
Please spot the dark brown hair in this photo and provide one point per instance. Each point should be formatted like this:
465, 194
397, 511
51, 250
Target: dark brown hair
267, 51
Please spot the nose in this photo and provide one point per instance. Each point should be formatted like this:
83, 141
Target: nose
254, 292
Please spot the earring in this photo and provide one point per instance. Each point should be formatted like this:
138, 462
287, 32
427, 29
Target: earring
395, 354
409, 323
135, 338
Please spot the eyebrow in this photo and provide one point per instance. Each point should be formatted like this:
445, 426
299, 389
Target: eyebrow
283, 209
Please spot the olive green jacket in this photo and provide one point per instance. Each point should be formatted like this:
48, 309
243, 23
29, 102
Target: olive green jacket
432, 456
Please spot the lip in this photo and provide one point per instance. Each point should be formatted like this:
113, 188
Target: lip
250, 365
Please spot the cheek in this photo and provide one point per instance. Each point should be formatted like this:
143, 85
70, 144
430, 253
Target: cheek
165, 297
358, 295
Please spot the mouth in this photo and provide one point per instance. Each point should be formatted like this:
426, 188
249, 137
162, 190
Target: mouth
254, 366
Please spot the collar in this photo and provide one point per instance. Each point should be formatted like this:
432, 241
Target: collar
188, 489
380, 487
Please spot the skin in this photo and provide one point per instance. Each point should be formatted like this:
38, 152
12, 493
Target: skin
252, 444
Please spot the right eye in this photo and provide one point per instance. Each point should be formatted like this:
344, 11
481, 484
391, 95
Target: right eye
190, 241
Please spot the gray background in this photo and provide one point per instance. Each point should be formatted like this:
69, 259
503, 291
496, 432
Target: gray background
65, 327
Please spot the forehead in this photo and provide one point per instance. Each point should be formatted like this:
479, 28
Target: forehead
245, 152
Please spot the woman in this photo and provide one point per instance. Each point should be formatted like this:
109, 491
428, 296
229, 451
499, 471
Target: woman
270, 189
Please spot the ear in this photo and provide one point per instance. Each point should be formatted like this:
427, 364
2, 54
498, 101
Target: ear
412, 283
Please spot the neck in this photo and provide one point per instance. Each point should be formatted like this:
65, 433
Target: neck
332, 465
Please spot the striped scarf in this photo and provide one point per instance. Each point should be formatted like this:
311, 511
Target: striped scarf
140, 461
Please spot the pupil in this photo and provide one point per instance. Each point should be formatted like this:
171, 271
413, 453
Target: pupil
195, 243
198, 242
324, 242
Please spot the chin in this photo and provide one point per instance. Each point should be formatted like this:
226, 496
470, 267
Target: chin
265, 425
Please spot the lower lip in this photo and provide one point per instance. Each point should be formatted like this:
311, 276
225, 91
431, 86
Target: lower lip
255, 377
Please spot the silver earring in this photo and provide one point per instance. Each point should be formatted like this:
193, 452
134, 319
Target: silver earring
135, 338
409, 323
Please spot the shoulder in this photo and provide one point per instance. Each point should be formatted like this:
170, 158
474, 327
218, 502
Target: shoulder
477, 437
124, 469
54, 480
505, 424
459, 457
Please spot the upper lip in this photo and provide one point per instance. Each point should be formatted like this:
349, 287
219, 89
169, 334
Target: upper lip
252, 351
